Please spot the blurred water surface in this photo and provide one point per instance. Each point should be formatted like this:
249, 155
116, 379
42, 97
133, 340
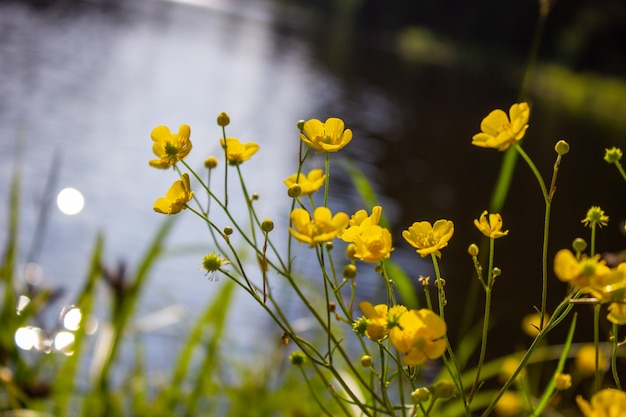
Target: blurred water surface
88, 84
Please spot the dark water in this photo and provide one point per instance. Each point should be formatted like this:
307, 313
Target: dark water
90, 84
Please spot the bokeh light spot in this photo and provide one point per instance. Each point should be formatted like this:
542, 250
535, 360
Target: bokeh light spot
70, 201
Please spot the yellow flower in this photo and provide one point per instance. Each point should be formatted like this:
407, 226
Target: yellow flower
591, 275
323, 227
326, 137
617, 313
500, 131
491, 228
373, 244
377, 319
531, 323
169, 148
508, 368
510, 405
176, 198
359, 221
563, 381
237, 152
419, 335
595, 216
586, 360
308, 183
429, 239
608, 402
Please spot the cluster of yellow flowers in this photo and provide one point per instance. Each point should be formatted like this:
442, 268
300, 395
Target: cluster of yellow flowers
417, 335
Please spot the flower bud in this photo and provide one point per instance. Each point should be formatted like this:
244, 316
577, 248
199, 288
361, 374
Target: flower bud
300, 124
561, 147
294, 191
267, 225
496, 272
442, 389
420, 395
366, 361
223, 119
579, 244
228, 230
613, 155
255, 196
473, 249
563, 381
351, 250
297, 358
210, 162
349, 271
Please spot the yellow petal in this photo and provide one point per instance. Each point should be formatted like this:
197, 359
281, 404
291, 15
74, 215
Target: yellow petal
493, 123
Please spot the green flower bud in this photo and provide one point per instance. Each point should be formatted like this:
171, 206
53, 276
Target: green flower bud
443, 389
579, 244
496, 272
223, 119
297, 358
366, 361
228, 230
349, 271
267, 225
473, 249
613, 155
420, 395
301, 124
360, 325
294, 191
561, 147
210, 162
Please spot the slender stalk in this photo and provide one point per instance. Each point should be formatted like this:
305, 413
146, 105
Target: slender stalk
615, 341
596, 344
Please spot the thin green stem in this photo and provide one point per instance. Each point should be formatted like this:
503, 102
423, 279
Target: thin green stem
592, 244
620, 168
327, 179
225, 147
596, 344
615, 346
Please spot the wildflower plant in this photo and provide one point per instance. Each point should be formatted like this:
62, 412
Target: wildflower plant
373, 354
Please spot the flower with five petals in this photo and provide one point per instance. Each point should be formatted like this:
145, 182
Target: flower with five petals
419, 335
329, 136
308, 183
176, 198
168, 147
427, 238
499, 131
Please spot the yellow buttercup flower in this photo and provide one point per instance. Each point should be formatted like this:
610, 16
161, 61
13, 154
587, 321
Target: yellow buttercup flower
323, 227
491, 228
176, 198
359, 221
308, 183
590, 275
419, 335
510, 404
531, 323
585, 360
427, 238
372, 244
168, 147
329, 136
499, 131
237, 152
595, 217
377, 320
608, 402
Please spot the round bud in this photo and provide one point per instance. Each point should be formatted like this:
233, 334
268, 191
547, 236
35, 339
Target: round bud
267, 225
294, 191
579, 244
366, 361
443, 389
349, 271
351, 250
228, 230
255, 196
473, 249
496, 272
420, 395
297, 358
561, 147
301, 124
210, 162
223, 119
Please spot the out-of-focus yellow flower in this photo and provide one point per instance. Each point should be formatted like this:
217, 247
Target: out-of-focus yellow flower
323, 227
508, 368
499, 131
176, 197
595, 217
308, 183
419, 335
617, 313
427, 238
531, 323
373, 244
329, 136
608, 402
237, 152
563, 381
510, 404
491, 228
586, 360
168, 147
590, 275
